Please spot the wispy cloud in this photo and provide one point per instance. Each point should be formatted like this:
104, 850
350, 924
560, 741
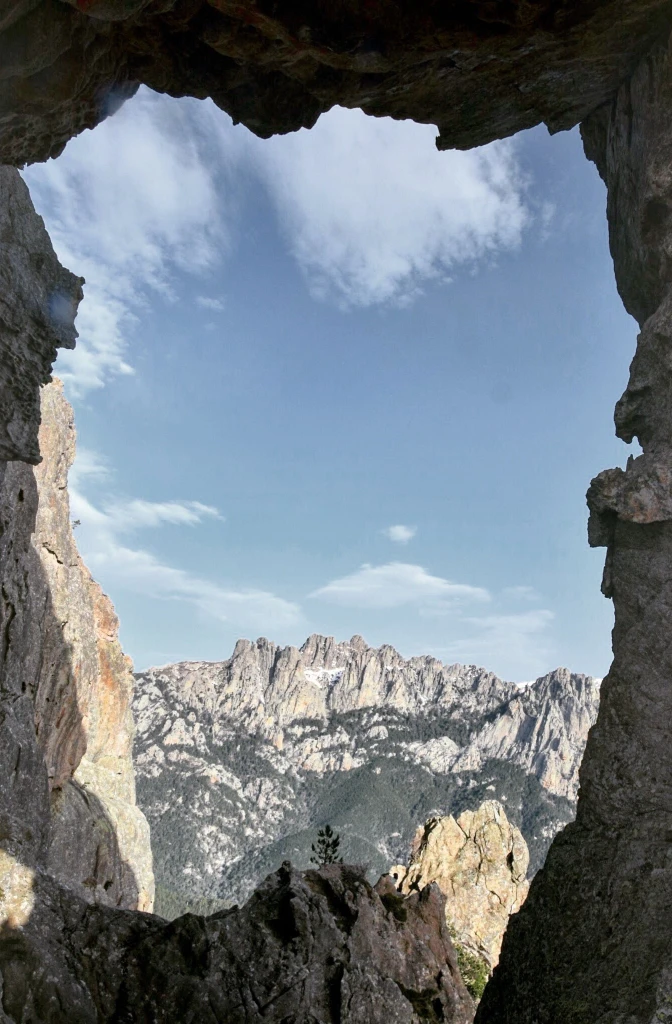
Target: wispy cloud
126, 206
100, 538
137, 514
520, 593
396, 584
519, 645
205, 302
400, 534
371, 210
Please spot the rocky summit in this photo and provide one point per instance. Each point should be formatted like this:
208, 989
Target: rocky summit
239, 762
480, 862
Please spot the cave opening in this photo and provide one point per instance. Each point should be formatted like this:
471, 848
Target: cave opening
480, 73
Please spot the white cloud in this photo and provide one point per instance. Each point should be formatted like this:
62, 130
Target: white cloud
515, 645
521, 593
396, 584
100, 539
205, 302
137, 513
371, 209
400, 534
125, 206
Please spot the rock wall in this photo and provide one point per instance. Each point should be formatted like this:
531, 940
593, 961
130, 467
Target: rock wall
61, 654
321, 946
479, 69
32, 324
38, 303
593, 942
479, 861
99, 839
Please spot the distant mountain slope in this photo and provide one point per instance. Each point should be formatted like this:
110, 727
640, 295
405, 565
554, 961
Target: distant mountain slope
238, 762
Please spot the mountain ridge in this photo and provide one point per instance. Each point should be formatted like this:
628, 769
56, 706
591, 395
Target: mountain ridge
239, 761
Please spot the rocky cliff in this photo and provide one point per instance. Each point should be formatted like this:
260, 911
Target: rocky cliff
77, 683
99, 840
240, 761
271, 692
479, 861
593, 941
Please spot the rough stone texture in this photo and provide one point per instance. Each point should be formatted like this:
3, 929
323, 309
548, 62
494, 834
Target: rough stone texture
593, 942
479, 69
100, 839
65, 695
479, 861
38, 302
324, 947
321, 946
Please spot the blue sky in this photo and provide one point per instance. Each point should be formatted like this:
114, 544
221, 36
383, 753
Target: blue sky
339, 382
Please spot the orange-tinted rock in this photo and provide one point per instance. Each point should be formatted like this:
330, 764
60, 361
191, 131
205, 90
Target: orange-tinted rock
100, 839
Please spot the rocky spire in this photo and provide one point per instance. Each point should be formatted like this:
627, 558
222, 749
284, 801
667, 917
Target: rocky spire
479, 862
594, 939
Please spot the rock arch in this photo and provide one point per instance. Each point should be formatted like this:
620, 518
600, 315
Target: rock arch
594, 941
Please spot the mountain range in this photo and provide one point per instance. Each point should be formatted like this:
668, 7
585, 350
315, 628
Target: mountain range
239, 762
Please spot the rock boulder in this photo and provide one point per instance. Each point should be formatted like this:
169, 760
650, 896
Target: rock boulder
479, 862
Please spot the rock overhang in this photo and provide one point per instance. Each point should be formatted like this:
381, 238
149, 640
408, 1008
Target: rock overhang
478, 69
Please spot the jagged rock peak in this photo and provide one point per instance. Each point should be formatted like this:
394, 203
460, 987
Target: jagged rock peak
479, 861
269, 691
262, 679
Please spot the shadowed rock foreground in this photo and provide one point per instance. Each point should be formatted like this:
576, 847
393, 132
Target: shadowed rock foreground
321, 946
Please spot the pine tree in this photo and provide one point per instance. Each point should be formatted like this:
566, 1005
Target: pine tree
326, 850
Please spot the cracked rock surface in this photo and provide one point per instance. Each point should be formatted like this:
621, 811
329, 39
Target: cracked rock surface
69, 800
321, 946
38, 303
479, 861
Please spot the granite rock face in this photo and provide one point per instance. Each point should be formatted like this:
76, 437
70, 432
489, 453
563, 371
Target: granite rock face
321, 946
267, 690
593, 942
63, 658
99, 841
38, 302
240, 762
479, 861
478, 70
